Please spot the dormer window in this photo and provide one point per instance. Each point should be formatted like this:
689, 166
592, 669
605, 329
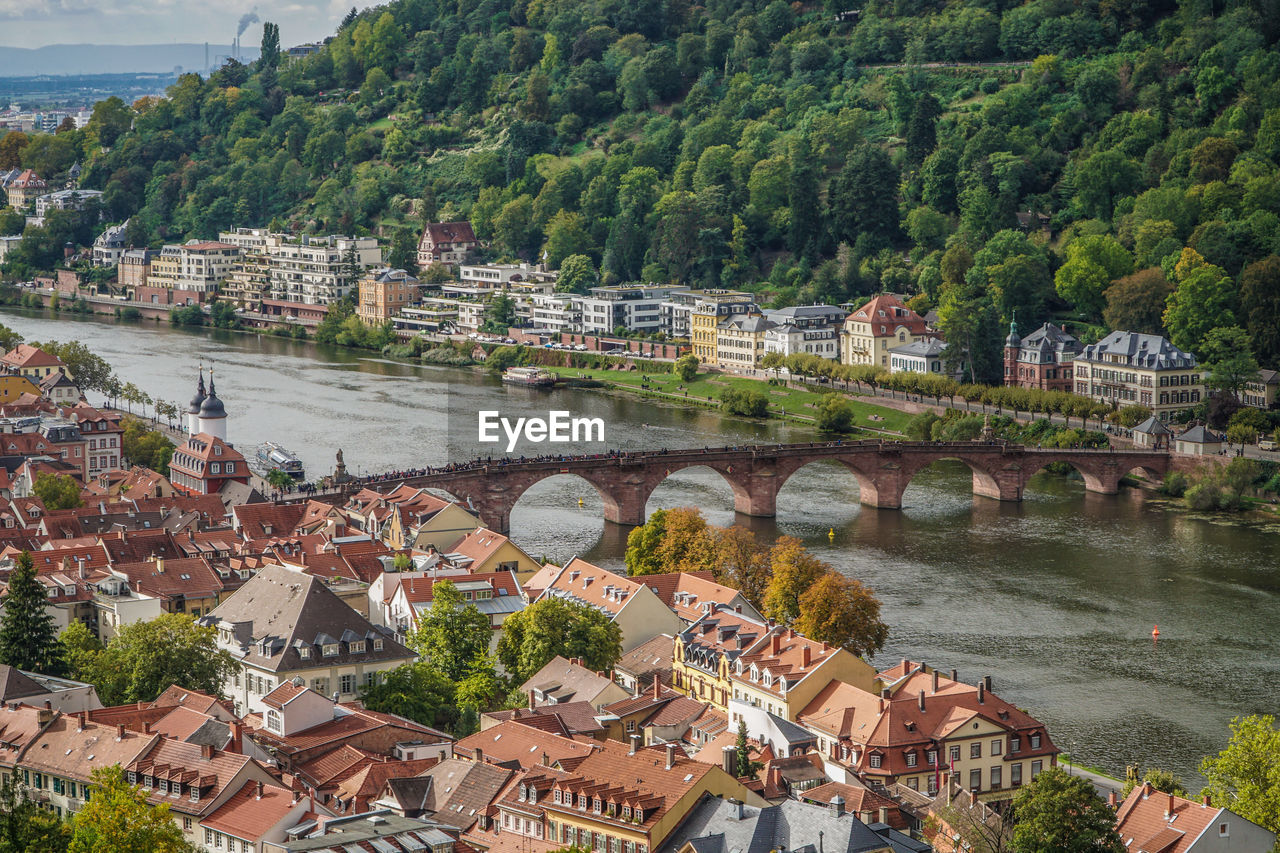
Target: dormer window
1035, 741
357, 647
640, 815
626, 812
304, 652
377, 645
524, 792
582, 801
875, 760
330, 650
595, 805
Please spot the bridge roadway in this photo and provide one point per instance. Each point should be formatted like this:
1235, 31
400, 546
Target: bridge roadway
756, 473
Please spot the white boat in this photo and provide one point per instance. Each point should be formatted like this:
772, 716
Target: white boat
534, 377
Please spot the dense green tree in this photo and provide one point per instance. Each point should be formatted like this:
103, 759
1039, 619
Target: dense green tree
1092, 264
1202, 301
57, 491
118, 817
553, 626
28, 640
1061, 813
577, 274
1137, 302
1244, 776
1260, 307
1226, 354
24, 826
452, 634
146, 657
840, 611
686, 367
270, 54
834, 414
864, 197
417, 691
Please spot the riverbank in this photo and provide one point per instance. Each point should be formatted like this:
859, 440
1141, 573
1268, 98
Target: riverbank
785, 401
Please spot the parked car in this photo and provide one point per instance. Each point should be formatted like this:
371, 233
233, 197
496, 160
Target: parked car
1267, 444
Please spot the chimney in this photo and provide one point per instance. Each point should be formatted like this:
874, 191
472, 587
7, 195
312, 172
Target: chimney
1168, 811
905, 664
986, 680
657, 688
671, 758
206, 751
884, 814
884, 693
922, 701
935, 681
804, 656
237, 737
837, 805
479, 755
775, 643
532, 703
119, 731
729, 760
865, 816
953, 675
80, 719
1146, 790
982, 692
259, 794
159, 565
48, 705
1111, 799
146, 728
1205, 801
736, 810
635, 744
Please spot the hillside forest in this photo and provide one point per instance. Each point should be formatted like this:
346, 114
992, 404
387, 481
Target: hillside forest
1106, 164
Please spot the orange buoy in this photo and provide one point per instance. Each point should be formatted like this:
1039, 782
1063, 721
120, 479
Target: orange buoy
1155, 632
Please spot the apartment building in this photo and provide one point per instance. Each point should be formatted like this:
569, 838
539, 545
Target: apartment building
1129, 368
196, 266
805, 329
708, 309
384, 294
305, 269
740, 341
634, 307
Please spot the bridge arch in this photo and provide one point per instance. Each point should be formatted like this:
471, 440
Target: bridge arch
748, 498
863, 475
992, 477
1094, 480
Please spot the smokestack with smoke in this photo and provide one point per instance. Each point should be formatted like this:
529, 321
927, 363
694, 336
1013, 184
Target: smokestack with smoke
250, 17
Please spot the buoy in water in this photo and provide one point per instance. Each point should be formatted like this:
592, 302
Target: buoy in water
1155, 633
831, 534
579, 501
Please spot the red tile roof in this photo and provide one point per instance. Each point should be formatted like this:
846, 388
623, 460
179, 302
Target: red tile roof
1151, 821
253, 811
25, 355
886, 313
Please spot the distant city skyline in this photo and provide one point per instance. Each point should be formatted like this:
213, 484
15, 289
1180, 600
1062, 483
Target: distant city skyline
37, 23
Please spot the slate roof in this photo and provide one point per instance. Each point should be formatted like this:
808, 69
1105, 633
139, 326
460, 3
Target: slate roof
564, 681
714, 827
1152, 352
15, 684
287, 609
1152, 426
1200, 435
461, 790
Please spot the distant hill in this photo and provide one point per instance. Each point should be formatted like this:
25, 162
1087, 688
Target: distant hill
111, 58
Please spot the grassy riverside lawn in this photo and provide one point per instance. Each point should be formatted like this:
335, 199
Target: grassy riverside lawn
795, 403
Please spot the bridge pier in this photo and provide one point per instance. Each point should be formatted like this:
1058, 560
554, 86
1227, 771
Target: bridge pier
1005, 484
758, 496
624, 502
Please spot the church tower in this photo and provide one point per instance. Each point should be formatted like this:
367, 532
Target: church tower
213, 415
1012, 344
193, 411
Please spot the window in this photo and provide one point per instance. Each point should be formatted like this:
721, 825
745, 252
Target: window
1035, 741
208, 837
995, 777
875, 761
975, 750
320, 685
186, 824
955, 754
911, 759
347, 684
304, 652
230, 467
1224, 830
1015, 775
932, 757
357, 647
377, 645
330, 650
215, 468
631, 725
1015, 743
996, 746
1036, 767
975, 779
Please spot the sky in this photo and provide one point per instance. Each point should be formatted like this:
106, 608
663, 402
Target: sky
35, 23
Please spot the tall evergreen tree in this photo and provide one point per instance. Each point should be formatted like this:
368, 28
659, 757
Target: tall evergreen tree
27, 636
864, 197
270, 45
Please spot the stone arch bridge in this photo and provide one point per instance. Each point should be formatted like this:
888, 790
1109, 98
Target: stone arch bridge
756, 473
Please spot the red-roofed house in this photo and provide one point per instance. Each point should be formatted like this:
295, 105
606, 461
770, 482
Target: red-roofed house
445, 243
256, 814
692, 595
25, 189
632, 605
1151, 821
483, 550
923, 726
877, 327
203, 464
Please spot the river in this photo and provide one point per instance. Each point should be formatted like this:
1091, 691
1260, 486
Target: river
1054, 597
